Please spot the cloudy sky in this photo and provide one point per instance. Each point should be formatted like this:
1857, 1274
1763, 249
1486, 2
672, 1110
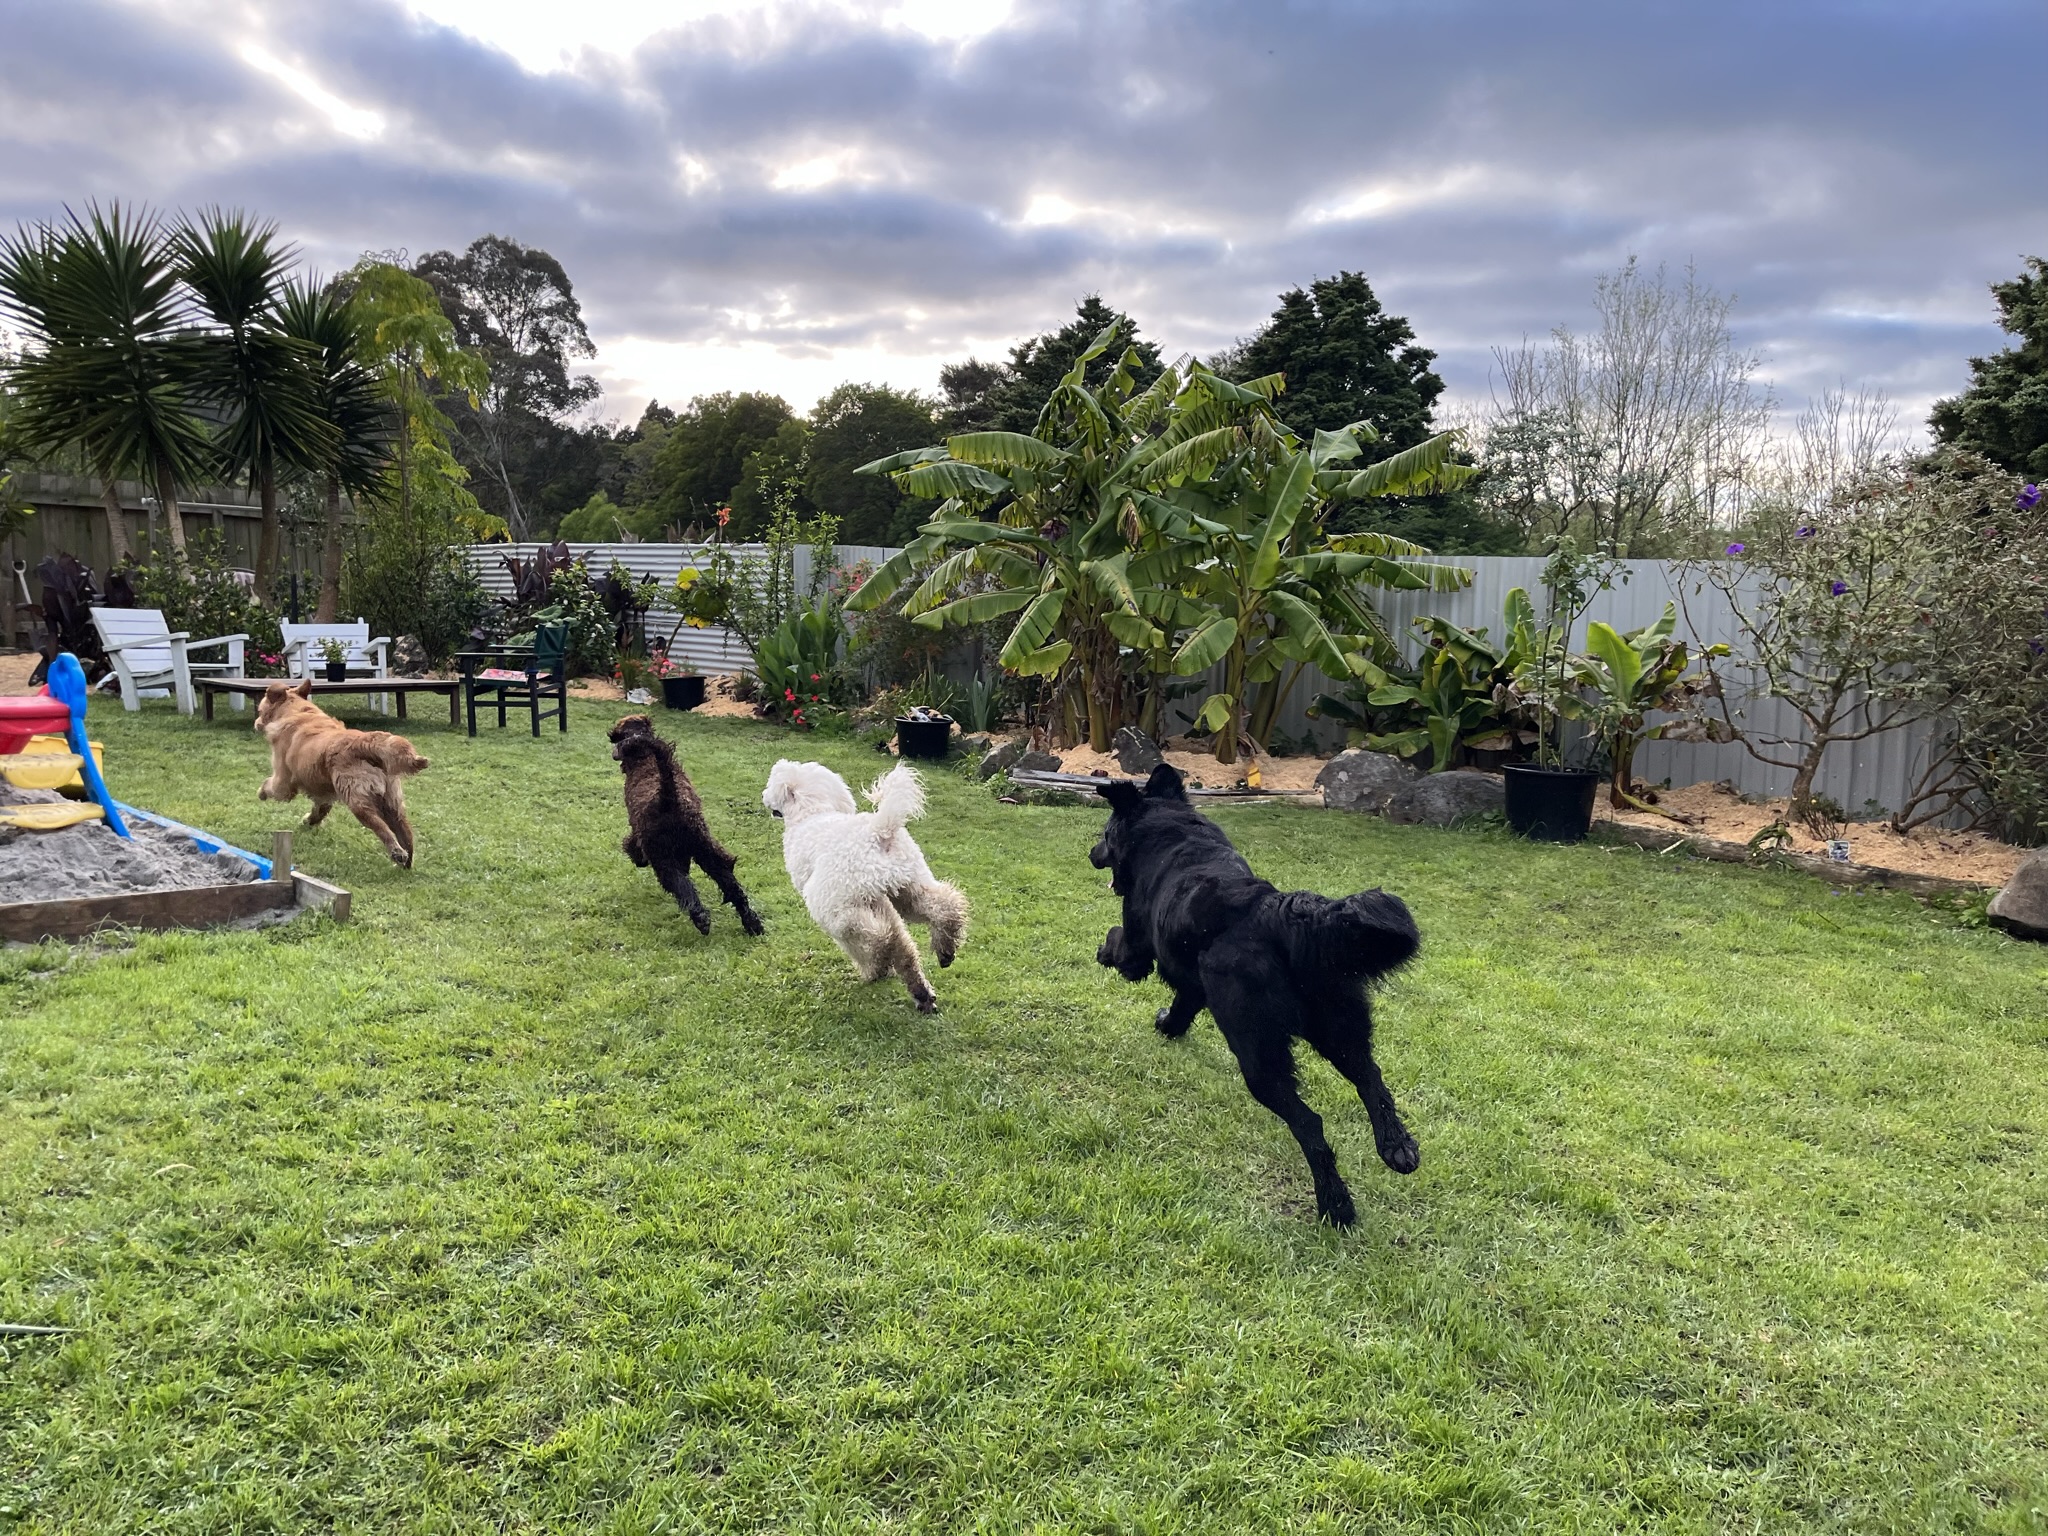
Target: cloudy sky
785, 195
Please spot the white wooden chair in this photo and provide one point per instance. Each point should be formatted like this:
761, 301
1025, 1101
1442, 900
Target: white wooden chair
149, 658
304, 655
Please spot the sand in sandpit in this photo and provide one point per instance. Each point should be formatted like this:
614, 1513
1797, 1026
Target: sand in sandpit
89, 860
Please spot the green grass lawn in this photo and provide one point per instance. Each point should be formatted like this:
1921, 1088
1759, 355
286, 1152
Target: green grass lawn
515, 1205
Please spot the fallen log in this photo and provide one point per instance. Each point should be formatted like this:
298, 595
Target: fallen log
1661, 840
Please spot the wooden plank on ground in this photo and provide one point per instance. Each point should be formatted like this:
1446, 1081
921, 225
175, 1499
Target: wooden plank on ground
199, 906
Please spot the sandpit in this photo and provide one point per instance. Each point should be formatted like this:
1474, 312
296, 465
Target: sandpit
89, 860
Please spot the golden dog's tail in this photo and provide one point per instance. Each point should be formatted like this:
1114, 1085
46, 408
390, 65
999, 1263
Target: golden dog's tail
396, 756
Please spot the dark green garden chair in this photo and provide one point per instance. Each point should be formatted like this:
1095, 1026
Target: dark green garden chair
535, 677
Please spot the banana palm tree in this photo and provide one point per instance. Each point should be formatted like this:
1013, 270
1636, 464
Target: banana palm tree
351, 402
262, 378
110, 363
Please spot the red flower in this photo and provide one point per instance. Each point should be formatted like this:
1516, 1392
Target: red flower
814, 677
724, 516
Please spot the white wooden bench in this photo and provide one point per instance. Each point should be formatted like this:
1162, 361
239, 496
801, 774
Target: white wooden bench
305, 654
148, 658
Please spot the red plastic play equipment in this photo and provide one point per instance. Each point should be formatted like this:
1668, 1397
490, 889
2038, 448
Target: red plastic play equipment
36, 715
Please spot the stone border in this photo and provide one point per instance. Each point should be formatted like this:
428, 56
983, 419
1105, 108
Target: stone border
1657, 840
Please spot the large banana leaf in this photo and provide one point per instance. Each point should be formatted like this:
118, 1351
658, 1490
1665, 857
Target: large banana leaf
1288, 496
977, 609
1302, 625
1424, 469
903, 460
1002, 450
1206, 646
950, 477
1624, 664
1036, 626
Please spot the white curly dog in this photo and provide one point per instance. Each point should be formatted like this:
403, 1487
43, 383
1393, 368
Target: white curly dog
860, 874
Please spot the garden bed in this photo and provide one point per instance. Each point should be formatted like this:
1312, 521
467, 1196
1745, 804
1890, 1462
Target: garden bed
1714, 812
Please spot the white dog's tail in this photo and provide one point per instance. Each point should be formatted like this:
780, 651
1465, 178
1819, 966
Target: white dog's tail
897, 797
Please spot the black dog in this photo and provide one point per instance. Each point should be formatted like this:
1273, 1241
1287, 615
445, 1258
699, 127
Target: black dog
1270, 965
668, 824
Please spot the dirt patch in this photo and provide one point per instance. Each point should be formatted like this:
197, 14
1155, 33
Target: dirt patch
89, 860
15, 667
1201, 768
1714, 812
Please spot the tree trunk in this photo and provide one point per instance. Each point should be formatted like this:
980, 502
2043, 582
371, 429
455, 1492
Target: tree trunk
1272, 699
1226, 736
329, 607
167, 498
267, 539
117, 526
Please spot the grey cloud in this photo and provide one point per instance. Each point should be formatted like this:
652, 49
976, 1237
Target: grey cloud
1833, 163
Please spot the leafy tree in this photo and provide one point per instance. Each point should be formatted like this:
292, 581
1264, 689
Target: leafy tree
1641, 436
1344, 359
602, 521
849, 428
1007, 397
514, 306
966, 392
110, 359
260, 376
774, 477
706, 451
2003, 414
346, 392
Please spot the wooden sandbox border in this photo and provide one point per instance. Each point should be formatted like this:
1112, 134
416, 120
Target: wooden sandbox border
198, 906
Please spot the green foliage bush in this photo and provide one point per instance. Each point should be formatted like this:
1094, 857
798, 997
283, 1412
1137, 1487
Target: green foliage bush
407, 580
200, 595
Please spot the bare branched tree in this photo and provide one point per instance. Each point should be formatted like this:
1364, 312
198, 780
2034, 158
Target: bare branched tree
1641, 436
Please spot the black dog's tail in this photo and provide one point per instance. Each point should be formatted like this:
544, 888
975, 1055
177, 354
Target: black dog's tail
1361, 938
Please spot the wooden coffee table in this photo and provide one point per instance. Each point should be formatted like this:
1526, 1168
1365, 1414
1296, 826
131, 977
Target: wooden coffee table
252, 687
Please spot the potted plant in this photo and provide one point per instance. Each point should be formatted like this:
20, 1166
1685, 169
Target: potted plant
924, 732
682, 685
336, 655
1546, 800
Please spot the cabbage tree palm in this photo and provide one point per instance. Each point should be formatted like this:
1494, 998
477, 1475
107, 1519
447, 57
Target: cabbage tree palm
110, 361
349, 399
263, 379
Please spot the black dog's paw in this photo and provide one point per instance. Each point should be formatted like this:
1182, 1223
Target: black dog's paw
702, 920
1111, 948
752, 924
1168, 1025
945, 958
1404, 1156
1336, 1208
927, 1001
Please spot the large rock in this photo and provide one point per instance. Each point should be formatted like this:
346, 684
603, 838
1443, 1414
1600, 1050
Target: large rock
1002, 758
1036, 762
2021, 909
1441, 799
1136, 753
1364, 781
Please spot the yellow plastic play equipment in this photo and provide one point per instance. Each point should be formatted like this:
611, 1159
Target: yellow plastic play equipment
42, 770
45, 746
51, 816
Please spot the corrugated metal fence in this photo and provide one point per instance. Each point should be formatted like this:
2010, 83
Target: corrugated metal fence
1882, 770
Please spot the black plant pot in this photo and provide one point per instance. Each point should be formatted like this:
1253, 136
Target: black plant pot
337, 671
924, 738
685, 690
1552, 805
